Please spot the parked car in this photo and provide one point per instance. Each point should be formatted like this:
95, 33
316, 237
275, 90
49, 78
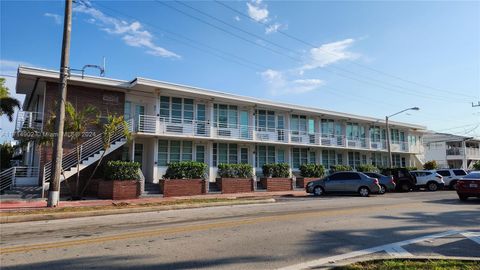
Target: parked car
430, 180
451, 176
344, 182
386, 182
404, 180
469, 186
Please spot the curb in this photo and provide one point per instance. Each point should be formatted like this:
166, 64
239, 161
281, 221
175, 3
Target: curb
54, 216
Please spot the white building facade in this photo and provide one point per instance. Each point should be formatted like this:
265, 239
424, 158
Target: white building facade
452, 151
173, 122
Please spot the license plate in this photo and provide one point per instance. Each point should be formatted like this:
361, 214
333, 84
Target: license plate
473, 185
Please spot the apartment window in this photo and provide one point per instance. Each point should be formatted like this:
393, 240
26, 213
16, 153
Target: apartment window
395, 136
265, 120
328, 158
354, 159
327, 128
174, 151
311, 126
225, 116
244, 155
312, 157
339, 158
200, 153
398, 161
127, 110
225, 153
176, 109
375, 134
298, 124
281, 156
377, 159
265, 154
299, 157
355, 131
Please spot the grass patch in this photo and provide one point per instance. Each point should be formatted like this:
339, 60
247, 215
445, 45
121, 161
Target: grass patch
123, 205
408, 264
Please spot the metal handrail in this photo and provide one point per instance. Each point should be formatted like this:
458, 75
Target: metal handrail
7, 178
86, 150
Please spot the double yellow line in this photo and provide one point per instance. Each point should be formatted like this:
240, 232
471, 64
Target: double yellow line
199, 227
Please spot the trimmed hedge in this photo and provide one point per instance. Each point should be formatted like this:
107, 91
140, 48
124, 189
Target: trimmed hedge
430, 165
367, 168
281, 170
340, 168
312, 170
235, 170
122, 170
186, 170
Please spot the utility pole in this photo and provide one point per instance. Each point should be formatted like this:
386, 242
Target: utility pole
54, 189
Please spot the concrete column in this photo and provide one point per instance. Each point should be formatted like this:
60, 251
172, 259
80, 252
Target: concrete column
287, 127
154, 157
251, 123
464, 158
209, 161
132, 152
210, 118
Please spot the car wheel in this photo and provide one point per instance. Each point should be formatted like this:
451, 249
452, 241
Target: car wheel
318, 191
382, 190
462, 197
453, 185
364, 192
432, 186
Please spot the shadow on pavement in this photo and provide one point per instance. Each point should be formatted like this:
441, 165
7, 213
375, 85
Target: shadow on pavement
135, 263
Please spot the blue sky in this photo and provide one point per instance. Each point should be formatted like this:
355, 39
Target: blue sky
369, 58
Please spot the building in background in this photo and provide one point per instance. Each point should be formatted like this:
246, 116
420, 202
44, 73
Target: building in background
451, 151
173, 122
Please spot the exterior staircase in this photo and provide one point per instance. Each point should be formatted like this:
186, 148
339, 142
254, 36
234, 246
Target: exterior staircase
90, 152
151, 190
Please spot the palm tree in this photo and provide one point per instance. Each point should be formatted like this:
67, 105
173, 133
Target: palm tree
7, 103
77, 123
113, 124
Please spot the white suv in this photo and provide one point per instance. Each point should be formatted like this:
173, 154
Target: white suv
430, 180
451, 176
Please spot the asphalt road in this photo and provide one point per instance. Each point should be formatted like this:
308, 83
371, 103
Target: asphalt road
265, 236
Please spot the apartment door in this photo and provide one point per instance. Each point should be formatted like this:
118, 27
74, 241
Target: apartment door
280, 128
244, 129
140, 110
201, 118
138, 154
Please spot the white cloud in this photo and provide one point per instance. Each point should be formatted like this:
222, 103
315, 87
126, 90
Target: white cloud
330, 53
56, 18
257, 12
132, 34
273, 28
236, 18
278, 84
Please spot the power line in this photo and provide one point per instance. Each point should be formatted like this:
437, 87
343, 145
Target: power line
331, 53
412, 92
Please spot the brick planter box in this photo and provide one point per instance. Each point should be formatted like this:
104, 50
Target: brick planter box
119, 190
182, 187
235, 185
303, 181
277, 184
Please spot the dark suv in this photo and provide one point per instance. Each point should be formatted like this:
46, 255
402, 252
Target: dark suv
404, 180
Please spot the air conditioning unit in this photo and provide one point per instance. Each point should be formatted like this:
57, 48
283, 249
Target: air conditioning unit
296, 139
224, 132
352, 144
326, 142
174, 129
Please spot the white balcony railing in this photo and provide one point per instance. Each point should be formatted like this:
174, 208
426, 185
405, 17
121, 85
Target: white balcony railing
26, 120
196, 128
470, 152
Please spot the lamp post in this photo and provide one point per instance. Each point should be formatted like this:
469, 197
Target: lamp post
388, 133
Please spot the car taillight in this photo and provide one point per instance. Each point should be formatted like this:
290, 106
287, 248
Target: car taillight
375, 180
439, 177
392, 179
460, 183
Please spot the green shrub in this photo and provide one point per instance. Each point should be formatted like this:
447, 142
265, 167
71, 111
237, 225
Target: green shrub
186, 170
312, 170
340, 168
411, 168
122, 170
235, 170
430, 165
476, 165
367, 168
281, 170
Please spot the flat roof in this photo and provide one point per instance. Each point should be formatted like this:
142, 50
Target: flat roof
26, 77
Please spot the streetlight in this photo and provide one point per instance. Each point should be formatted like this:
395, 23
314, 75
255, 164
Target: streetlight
388, 133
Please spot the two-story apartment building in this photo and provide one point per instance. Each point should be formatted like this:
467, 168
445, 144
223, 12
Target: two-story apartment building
451, 151
172, 122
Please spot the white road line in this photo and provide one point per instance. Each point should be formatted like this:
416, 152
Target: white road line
474, 236
394, 248
397, 251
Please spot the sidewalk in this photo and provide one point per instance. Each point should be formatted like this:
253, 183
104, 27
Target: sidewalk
17, 205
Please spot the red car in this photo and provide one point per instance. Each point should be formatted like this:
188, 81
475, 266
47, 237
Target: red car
469, 186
